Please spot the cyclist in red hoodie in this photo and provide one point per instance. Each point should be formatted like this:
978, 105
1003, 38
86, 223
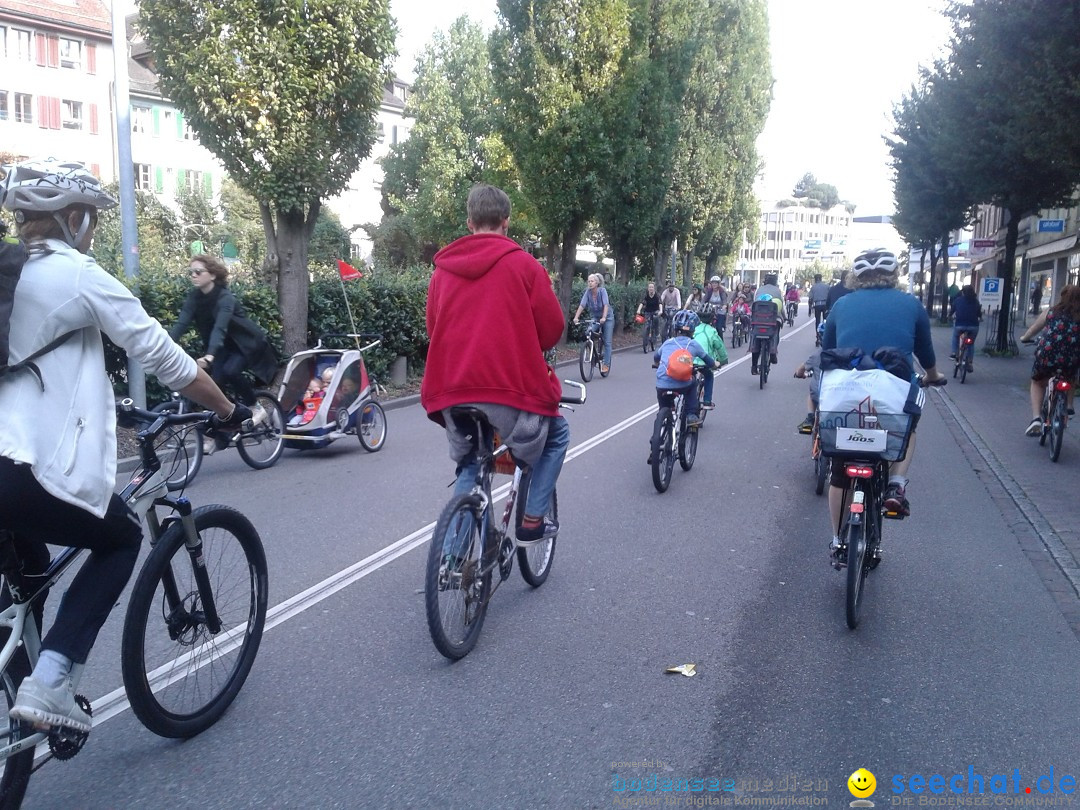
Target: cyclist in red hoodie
491, 314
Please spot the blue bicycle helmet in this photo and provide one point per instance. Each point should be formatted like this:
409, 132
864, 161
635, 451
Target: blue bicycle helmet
685, 320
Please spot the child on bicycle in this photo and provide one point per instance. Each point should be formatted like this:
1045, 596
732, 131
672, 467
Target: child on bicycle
706, 335
811, 368
674, 364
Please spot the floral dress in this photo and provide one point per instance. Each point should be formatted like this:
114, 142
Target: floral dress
1058, 351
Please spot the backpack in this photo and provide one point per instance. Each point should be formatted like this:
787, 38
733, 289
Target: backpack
13, 255
680, 364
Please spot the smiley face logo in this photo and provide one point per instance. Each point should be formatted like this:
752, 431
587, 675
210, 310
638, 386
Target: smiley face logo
861, 783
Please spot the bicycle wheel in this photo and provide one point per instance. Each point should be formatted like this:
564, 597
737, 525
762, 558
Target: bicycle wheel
963, 357
855, 538
371, 426
1058, 419
535, 560
180, 450
663, 454
180, 676
687, 448
1047, 405
822, 467
455, 591
262, 446
585, 360
18, 767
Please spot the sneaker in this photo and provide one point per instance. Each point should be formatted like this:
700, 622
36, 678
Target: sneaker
753, 370
952, 356
1034, 428
773, 359
708, 406
693, 421
259, 415
806, 427
44, 707
604, 369
895, 500
547, 528
209, 446
836, 554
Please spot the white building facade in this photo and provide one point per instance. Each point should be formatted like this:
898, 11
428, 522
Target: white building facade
791, 236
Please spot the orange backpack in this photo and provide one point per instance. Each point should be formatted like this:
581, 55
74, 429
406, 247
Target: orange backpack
680, 364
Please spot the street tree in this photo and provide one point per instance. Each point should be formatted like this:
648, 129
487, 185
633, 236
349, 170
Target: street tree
285, 96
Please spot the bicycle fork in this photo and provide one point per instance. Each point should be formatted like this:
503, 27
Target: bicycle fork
180, 617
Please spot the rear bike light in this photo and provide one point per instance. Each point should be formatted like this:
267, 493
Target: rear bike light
857, 471
1062, 385
968, 341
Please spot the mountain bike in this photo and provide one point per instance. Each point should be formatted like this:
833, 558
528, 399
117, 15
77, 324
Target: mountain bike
650, 330
181, 445
193, 623
591, 355
671, 438
965, 351
468, 546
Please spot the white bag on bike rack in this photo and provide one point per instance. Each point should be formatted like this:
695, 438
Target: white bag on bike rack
867, 412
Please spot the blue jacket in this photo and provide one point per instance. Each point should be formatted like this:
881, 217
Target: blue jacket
870, 319
968, 311
664, 352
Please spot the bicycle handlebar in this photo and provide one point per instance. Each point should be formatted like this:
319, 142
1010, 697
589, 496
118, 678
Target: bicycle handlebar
128, 413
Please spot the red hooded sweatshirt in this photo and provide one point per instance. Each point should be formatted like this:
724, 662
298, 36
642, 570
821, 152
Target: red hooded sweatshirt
491, 314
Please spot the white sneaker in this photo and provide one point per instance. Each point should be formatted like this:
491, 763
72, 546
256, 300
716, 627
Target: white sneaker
259, 415
209, 447
43, 706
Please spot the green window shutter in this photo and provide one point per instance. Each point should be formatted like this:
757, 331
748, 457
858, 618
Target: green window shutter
159, 179
208, 185
157, 121
179, 125
181, 180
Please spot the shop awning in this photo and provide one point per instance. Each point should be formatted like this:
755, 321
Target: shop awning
1057, 246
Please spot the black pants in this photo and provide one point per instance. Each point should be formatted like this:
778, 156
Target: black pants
35, 518
228, 372
819, 315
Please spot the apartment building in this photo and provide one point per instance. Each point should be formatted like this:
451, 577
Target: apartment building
56, 81
791, 236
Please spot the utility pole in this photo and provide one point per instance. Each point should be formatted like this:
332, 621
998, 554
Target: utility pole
129, 232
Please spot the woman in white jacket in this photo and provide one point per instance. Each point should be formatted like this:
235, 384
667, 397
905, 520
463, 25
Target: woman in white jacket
58, 445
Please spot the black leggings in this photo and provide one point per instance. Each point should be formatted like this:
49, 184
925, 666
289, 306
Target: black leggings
228, 372
35, 518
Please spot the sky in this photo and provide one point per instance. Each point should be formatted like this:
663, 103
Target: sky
839, 66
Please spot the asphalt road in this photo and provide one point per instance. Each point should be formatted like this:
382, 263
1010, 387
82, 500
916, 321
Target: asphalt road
962, 659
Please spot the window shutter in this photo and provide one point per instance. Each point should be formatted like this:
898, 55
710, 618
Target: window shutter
181, 179
159, 180
179, 125
91, 58
43, 112
208, 185
95, 169
157, 121
54, 104
54, 51
39, 49
93, 119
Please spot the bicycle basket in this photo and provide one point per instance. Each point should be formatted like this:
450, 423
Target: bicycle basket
849, 435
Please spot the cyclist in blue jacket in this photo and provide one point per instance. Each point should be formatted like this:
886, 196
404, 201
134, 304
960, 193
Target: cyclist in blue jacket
676, 352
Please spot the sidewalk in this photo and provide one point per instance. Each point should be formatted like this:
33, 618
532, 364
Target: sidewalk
988, 415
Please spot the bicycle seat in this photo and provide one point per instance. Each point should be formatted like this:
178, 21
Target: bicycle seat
465, 415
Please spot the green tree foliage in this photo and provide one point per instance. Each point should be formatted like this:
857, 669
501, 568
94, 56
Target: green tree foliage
815, 194
160, 234
285, 96
555, 63
452, 145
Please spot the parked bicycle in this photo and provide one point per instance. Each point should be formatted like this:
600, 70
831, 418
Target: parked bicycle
650, 330
965, 353
671, 438
591, 355
193, 624
468, 546
181, 445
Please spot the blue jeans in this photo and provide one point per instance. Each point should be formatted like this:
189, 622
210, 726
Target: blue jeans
609, 335
710, 378
971, 330
544, 473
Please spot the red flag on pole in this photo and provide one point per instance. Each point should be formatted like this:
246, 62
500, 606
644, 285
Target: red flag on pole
347, 271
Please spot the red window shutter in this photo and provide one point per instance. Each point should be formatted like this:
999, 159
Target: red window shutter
91, 59
54, 51
93, 119
95, 169
39, 48
55, 103
43, 112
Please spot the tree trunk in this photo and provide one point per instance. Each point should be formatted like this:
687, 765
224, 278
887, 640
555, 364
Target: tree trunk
945, 277
928, 292
688, 269
552, 251
293, 235
566, 268
1012, 232
624, 261
660, 266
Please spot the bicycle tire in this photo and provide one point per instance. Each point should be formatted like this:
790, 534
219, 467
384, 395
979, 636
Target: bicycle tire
17, 768
179, 448
962, 363
371, 426
585, 357
262, 446
821, 472
1058, 419
663, 461
459, 517
645, 337
165, 696
1044, 412
855, 538
687, 448
535, 560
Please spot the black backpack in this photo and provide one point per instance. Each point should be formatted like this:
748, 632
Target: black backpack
13, 255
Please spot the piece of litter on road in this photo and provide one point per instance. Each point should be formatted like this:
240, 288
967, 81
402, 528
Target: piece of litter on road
774, 486
886, 700
689, 613
608, 705
689, 670
782, 582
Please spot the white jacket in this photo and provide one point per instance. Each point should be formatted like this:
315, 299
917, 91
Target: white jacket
68, 432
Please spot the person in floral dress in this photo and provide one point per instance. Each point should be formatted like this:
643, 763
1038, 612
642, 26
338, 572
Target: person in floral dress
1057, 351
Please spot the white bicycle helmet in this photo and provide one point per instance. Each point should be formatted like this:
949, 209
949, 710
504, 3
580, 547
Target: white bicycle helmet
876, 259
49, 186
714, 278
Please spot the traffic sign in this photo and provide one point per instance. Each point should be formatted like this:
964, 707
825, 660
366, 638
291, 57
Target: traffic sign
1051, 226
991, 292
